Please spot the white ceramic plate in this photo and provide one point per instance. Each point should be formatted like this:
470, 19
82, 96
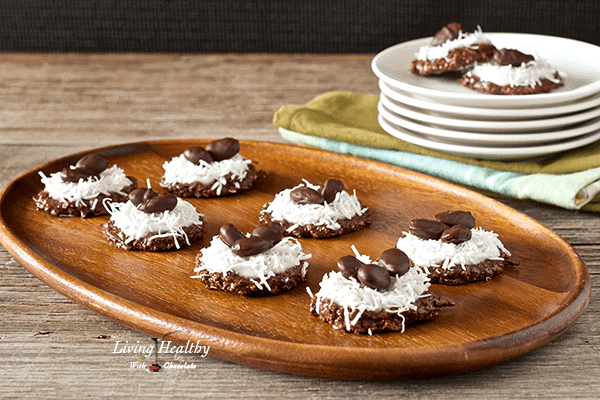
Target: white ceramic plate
491, 114
488, 139
578, 60
483, 152
487, 126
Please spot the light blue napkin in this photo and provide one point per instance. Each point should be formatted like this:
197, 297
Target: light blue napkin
572, 191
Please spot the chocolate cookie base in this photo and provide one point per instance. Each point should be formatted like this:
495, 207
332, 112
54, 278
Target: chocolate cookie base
377, 321
319, 231
474, 83
116, 237
198, 189
457, 275
456, 59
84, 208
234, 283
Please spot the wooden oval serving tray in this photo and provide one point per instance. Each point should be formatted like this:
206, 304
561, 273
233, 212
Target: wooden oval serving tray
492, 322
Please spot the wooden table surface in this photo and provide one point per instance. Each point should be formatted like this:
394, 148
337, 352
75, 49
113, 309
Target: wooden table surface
54, 105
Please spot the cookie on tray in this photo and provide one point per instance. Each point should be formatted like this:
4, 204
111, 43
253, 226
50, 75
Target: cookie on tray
367, 297
150, 221
314, 211
513, 73
218, 170
452, 49
263, 262
452, 250
79, 190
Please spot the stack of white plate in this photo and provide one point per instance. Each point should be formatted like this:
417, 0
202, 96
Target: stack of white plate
437, 112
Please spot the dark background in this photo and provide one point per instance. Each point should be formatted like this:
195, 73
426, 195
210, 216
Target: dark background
311, 26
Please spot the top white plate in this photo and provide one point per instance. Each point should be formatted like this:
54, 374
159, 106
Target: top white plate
578, 60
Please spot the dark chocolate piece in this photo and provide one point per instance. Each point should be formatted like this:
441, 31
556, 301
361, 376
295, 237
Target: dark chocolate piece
426, 228
395, 261
306, 195
374, 276
250, 246
511, 57
456, 234
139, 195
229, 233
452, 218
93, 161
272, 232
348, 266
330, 188
162, 202
223, 149
195, 154
448, 32
74, 175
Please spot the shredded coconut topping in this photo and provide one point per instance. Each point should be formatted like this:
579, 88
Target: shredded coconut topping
111, 180
135, 224
471, 40
527, 74
348, 293
483, 245
180, 170
344, 206
286, 254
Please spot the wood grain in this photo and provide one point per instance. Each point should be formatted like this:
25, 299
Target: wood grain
243, 92
153, 293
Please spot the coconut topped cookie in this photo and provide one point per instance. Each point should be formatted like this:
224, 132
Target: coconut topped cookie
261, 262
452, 250
79, 190
367, 297
309, 210
513, 72
152, 222
217, 170
452, 49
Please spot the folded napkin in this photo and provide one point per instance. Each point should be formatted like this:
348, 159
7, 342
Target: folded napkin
346, 122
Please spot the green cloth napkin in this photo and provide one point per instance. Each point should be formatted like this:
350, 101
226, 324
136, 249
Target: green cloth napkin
346, 122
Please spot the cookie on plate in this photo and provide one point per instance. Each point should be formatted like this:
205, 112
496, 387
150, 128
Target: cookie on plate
452, 250
150, 221
513, 73
314, 211
452, 49
218, 170
366, 297
79, 190
263, 262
